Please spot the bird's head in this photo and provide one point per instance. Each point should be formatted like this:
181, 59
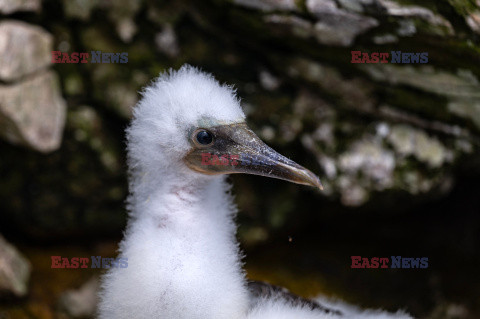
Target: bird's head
187, 121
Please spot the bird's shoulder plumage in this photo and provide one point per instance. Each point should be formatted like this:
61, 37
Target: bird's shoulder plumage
264, 290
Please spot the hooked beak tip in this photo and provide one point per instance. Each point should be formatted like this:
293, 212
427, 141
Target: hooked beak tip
310, 179
316, 182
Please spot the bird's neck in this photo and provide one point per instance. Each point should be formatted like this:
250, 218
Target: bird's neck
181, 240
176, 201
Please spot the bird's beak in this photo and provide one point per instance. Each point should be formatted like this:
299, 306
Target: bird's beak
237, 149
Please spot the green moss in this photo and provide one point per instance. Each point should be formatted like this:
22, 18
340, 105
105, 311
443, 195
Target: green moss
463, 7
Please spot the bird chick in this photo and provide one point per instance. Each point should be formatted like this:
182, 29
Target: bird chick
187, 133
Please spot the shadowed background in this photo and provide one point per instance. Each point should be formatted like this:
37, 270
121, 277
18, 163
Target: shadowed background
396, 145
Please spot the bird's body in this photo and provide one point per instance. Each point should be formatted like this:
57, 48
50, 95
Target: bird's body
183, 258
183, 261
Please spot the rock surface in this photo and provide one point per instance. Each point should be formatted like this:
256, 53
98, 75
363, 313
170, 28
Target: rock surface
167, 42
336, 26
32, 112
11, 6
269, 5
24, 49
14, 270
82, 302
80, 9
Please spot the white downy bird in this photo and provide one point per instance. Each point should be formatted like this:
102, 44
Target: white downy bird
183, 257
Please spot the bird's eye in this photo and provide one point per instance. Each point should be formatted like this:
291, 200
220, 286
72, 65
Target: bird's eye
204, 137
